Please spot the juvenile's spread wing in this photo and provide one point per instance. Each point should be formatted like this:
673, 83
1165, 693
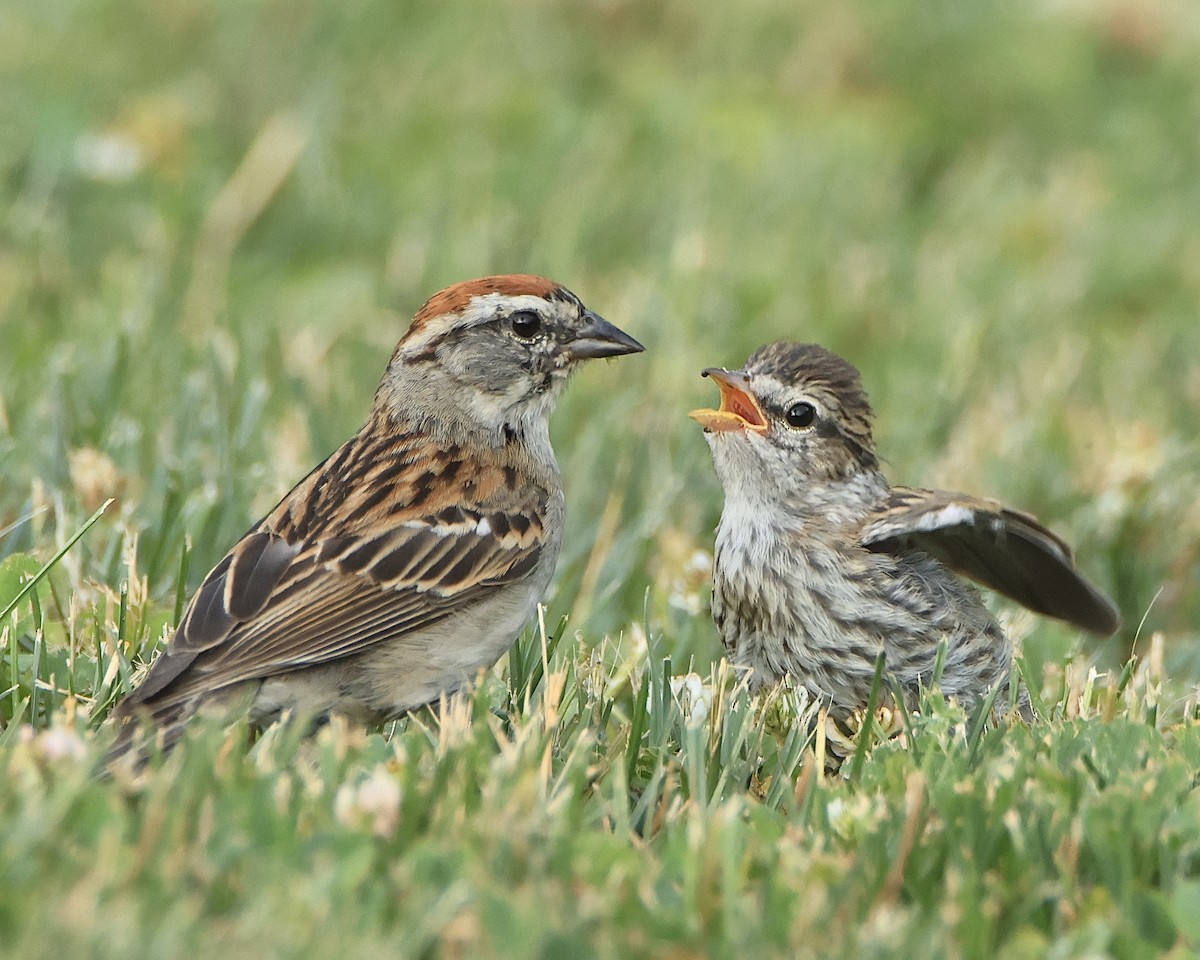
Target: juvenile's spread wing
308, 586
1003, 549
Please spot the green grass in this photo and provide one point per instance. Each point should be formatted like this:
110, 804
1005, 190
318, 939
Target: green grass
215, 220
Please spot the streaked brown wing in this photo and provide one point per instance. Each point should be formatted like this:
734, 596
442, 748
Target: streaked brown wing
1003, 549
271, 607
374, 543
344, 595
234, 592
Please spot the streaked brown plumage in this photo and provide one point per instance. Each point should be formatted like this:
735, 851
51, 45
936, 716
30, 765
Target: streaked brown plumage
411, 557
820, 563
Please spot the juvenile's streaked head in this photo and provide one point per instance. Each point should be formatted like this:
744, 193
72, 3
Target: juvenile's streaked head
795, 414
494, 353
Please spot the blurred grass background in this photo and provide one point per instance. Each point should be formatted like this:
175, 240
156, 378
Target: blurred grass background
217, 217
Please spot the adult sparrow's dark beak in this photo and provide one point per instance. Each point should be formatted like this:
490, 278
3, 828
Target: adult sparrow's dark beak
599, 338
739, 410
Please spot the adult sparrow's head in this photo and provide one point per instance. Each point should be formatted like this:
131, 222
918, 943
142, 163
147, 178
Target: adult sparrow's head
493, 355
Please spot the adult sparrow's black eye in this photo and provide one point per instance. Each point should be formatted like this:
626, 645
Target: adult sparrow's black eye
801, 414
525, 324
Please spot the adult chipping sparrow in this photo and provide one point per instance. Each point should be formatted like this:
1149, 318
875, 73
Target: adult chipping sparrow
410, 559
820, 563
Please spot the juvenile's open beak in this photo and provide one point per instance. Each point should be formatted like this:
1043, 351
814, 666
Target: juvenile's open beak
599, 338
739, 410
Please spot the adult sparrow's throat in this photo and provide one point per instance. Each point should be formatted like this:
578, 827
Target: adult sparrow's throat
738, 411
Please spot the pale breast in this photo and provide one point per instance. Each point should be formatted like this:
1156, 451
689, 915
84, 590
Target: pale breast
790, 600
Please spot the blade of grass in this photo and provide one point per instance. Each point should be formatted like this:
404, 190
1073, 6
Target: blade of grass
14, 672
868, 727
50, 564
637, 727
123, 616
39, 639
1036, 702
185, 562
21, 521
979, 721
13, 728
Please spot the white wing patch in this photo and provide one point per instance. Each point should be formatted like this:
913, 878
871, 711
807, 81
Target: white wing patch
948, 516
468, 525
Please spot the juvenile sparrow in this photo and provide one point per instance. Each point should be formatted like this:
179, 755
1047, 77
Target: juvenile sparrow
410, 559
820, 563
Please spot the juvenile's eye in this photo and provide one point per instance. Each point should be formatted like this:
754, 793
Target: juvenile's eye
525, 324
801, 414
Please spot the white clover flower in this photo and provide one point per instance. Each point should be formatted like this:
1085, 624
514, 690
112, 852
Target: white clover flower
854, 816
699, 564
693, 695
61, 744
109, 157
686, 592
374, 801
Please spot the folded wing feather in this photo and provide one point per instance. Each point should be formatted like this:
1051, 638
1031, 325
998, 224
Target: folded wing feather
272, 606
